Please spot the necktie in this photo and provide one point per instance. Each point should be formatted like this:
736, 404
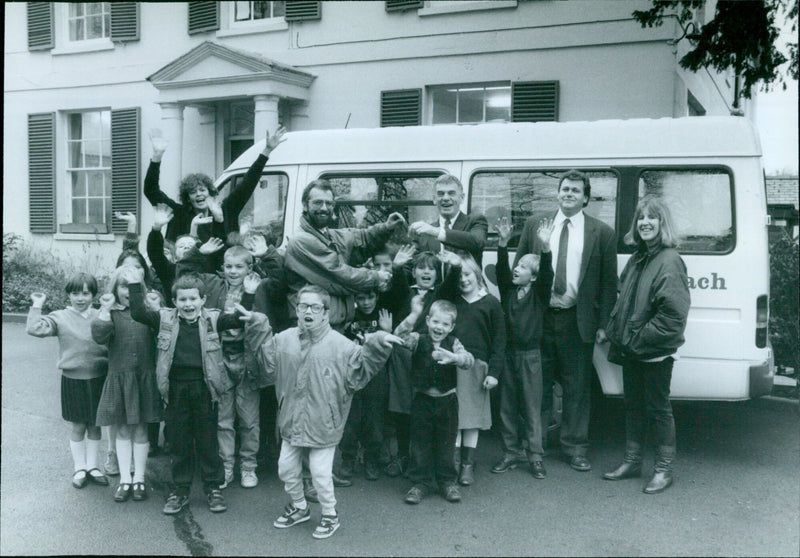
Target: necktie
447, 224
560, 282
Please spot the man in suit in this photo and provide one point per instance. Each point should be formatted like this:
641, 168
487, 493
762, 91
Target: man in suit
453, 229
584, 257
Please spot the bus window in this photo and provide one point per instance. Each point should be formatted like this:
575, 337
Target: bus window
519, 194
364, 200
266, 208
701, 204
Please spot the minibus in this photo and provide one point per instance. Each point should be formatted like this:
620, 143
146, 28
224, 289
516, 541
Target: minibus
707, 169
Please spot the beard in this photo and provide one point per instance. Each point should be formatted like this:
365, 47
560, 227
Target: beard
319, 219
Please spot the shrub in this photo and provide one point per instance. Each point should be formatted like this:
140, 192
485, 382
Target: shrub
784, 316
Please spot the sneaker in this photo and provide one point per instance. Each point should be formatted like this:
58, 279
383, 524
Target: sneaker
292, 516
414, 495
175, 503
111, 465
371, 471
228, 478
216, 503
340, 482
249, 479
309, 491
452, 494
327, 527
395, 468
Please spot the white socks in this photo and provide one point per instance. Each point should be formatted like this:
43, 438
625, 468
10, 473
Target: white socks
78, 450
124, 455
139, 460
92, 446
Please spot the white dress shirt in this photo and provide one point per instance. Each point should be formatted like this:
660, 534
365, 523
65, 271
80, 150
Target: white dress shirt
574, 257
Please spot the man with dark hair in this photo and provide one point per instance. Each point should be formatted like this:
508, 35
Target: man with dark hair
319, 255
584, 259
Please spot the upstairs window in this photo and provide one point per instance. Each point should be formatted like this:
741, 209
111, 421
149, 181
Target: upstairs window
88, 21
470, 104
88, 168
256, 11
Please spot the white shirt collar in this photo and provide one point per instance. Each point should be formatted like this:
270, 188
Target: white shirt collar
576, 220
452, 219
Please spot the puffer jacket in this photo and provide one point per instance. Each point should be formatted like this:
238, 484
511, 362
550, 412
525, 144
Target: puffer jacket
315, 381
649, 317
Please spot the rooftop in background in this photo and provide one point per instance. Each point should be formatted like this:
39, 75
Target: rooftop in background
783, 190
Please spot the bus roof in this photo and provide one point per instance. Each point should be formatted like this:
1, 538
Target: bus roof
602, 139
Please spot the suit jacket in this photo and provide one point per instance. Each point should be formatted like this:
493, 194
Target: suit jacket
597, 282
467, 232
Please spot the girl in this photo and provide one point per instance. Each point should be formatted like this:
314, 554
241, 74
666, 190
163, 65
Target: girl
83, 365
480, 327
130, 398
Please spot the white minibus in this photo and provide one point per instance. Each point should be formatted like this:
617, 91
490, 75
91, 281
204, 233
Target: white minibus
708, 169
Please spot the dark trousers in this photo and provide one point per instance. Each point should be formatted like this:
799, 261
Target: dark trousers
365, 421
191, 424
568, 360
401, 432
647, 405
521, 396
433, 430
269, 445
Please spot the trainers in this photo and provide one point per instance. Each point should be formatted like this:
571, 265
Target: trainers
111, 465
452, 494
292, 516
340, 482
175, 503
371, 471
395, 468
309, 491
414, 495
327, 527
216, 503
249, 479
228, 478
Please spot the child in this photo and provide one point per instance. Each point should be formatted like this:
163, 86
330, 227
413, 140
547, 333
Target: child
434, 408
83, 366
524, 297
481, 328
365, 421
191, 378
316, 370
130, 399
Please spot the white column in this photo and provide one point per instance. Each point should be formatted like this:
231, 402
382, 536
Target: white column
200, 146
171, 164
266, 116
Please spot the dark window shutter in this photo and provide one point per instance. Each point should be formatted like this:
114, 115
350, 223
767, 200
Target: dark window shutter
203, 16
297, 10
401, 107
124, 21
42, 172
124, 164
534, 101
400, 5
40, 25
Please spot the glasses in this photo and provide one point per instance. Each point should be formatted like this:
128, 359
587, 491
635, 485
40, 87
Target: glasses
322, 203
315, 308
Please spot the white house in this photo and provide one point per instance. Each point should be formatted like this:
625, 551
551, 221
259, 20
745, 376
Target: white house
83, 83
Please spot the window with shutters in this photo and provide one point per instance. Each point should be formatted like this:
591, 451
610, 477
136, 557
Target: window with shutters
255, 11
299, 10
470, 104
252, 17
401, 107
89, 20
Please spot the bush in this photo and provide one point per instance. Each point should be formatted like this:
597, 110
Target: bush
784, 318
27, 269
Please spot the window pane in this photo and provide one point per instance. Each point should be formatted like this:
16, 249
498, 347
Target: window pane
242, 11
444, 106
96, 210
78, 184
75, 126
95, 27
76, 9
75, 155
95, 184
498, 103
278, 9
260, 10
519, 194
470, 106
79, 210
76, 30
92, 126
265, 210
94, 7
701, 206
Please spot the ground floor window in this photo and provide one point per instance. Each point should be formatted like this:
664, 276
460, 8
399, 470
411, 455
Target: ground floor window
88, 194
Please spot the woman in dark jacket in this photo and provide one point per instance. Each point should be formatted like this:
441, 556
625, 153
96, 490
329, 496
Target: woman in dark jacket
645, 329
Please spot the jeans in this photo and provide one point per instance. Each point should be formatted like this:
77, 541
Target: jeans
191, 424
521, 394
320, 460
365, 421
433, 430
647, 405
245, 401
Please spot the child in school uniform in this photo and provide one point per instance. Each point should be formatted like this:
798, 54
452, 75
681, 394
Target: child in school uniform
191, 377
316, 370
130, 399
436, 356
524, 294
83, 365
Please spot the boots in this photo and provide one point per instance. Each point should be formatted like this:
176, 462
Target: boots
662, 476
631, 464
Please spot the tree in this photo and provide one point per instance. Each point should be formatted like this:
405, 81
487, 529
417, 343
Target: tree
742, 35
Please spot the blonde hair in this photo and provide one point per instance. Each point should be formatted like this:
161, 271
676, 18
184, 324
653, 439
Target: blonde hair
468, 262
654, 206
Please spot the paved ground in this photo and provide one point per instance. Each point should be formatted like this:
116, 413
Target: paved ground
737, 492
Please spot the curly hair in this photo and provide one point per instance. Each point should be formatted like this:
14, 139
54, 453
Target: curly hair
192, 182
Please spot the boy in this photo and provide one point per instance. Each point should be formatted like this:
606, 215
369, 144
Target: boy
365, 421
191, 378
524, 298
434, 407
316, 370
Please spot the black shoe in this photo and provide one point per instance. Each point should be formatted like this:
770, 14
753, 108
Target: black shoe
371, 471
339, 482
504, 465
580, 463
395, 468
627, 470
97, 478
659, 483
139, 491
123, 492
537, 470
80, 481
467, 475
347, 469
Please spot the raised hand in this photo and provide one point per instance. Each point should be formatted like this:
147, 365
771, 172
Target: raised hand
395, 220
391, 339
251, 282
404, 255
504, 230
274, 140
256, 244
162, 215
215, 208
132, 274
385, 319
421, 227
128, 217
383, 279
198, 220
106, 301
418, 304
153, 300
246, 315
159, 143
543, 232
212, 245
448, 257
38, 299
